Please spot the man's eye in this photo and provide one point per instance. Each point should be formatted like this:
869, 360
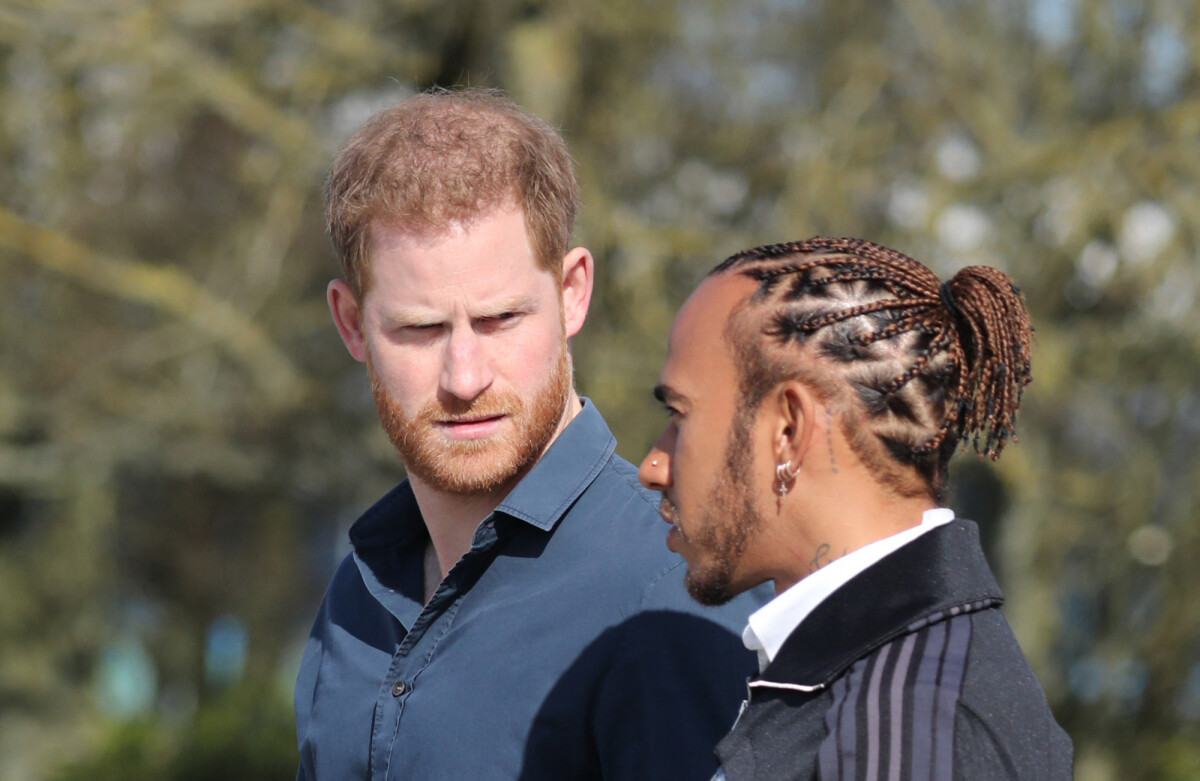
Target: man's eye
419, 331
495, 321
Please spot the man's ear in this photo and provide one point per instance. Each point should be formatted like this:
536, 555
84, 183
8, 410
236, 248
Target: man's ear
795, 404
577, 269
347, 316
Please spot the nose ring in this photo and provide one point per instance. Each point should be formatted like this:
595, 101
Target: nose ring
654, 462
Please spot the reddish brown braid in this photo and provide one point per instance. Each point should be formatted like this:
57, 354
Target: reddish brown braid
932, 364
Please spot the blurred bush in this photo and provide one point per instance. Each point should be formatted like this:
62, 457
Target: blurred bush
246, 734
183, 441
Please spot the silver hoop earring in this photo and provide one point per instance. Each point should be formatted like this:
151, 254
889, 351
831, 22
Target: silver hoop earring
784, 477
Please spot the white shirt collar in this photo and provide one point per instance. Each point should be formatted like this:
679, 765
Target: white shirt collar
773, 623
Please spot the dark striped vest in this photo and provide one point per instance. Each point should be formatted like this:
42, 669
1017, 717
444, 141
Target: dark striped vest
907, 672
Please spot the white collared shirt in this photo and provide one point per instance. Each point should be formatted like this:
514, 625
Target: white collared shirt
774, 622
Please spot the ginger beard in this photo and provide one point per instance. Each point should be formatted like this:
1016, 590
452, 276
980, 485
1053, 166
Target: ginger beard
475, 465
729, 519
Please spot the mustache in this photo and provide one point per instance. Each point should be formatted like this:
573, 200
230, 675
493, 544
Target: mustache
669, 510
486, 406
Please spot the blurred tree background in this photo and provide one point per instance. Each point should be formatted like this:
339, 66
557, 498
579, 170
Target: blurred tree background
183, 440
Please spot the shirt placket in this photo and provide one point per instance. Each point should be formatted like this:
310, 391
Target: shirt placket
417, 649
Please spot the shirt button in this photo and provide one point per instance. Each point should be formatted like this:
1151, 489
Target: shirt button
398, 688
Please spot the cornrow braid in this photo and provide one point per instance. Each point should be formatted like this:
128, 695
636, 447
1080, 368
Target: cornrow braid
932, 364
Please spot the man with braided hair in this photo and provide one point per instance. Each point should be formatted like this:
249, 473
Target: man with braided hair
816, 391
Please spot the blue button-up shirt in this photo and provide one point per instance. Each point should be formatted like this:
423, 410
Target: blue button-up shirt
562, 645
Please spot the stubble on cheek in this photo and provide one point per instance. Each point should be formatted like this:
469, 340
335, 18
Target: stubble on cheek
728, 521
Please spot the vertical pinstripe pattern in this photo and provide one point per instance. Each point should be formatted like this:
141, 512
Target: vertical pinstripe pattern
924, 689
873, 727
896, 717
839, 750
828, 752
892, 715
848, 721
954, 666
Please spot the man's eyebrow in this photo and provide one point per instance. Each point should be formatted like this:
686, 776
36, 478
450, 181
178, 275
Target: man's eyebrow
666, 394
400, 316
515, 303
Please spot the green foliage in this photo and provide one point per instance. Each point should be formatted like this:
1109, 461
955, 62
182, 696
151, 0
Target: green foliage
245, 735
131, 751
182, 436
1178, 759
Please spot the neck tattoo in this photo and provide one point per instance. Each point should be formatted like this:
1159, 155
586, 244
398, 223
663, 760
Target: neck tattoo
817, 563
829, 439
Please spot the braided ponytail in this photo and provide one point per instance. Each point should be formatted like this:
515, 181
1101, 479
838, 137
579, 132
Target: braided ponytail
994, 333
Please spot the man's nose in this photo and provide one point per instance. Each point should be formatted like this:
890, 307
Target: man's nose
466, 368
655, 470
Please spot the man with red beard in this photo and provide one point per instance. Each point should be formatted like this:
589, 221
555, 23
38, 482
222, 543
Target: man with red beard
508, 611
816, 392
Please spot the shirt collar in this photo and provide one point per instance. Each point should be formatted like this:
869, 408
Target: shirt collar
940, 574
540, 498
772, 624
569, 466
